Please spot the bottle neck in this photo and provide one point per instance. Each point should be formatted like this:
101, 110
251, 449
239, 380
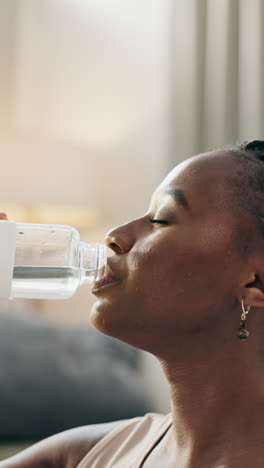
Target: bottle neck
93, 259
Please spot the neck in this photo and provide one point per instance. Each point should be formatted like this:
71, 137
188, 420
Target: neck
217, 395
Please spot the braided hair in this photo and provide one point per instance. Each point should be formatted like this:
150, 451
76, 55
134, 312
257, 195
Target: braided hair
253, 149
251, 190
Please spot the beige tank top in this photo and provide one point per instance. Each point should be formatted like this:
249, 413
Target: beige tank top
129, 443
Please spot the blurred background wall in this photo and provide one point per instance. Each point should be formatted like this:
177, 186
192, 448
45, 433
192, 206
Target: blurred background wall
85, 107
100, 99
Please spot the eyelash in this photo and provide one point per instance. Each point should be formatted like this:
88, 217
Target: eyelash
159, 221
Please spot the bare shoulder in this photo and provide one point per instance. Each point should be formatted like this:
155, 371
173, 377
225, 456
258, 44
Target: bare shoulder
65, 449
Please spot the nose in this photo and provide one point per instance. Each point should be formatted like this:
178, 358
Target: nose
120, 239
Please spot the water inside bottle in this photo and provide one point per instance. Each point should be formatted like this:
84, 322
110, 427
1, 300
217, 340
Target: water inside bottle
41, 282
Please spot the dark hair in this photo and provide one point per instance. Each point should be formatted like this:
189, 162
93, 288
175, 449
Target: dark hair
253, 149
251, 192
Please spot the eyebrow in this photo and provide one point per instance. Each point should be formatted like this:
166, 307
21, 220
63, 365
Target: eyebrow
179, 196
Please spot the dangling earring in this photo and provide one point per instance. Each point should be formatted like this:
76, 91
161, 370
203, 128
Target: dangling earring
242, 332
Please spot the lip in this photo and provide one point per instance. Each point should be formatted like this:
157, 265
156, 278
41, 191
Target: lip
107, 278
104, 283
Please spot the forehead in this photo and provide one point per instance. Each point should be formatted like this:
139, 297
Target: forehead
208, 181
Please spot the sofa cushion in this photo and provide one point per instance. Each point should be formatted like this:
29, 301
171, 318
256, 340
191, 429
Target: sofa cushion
54, 378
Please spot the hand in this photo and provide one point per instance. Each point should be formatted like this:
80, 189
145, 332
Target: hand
3, 215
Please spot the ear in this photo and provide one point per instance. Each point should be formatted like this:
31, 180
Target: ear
253, 291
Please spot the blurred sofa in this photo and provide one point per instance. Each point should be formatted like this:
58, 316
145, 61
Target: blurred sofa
54, 378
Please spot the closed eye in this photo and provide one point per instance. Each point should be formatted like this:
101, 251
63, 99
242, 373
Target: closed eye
160, 221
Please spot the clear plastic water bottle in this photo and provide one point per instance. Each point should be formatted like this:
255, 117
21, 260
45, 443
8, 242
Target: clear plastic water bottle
41, 261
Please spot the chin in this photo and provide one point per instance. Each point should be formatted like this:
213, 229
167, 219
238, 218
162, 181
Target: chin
112, 324
97, 319
120, 327
105, 321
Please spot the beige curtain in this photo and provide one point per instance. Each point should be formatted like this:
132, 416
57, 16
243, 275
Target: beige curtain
217, 71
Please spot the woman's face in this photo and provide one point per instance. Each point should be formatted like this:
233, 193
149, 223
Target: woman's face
179, 276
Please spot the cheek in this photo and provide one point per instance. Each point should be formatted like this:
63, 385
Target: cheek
177, 276
156, 278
